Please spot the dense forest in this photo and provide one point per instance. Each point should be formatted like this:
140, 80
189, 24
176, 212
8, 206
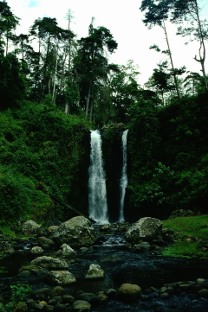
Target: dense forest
54, 88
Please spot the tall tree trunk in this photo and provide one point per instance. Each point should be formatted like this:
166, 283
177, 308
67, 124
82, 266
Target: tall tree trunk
7, 44
171, 60
55, 77
69, 16
44, 83
202, 48
88, 102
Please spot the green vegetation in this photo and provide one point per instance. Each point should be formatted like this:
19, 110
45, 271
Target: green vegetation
7, 232
19, 293
41, 155
51, 97
191, 236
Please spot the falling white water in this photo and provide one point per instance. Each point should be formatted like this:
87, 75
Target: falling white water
124, 176
98, 210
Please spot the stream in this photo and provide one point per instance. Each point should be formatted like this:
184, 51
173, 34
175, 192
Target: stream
148, 269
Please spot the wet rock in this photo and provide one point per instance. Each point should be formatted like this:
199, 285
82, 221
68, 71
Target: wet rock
102, 296
145, 229
42, 293
60, 307
142, 246
81, 306
63, 277
68, 299
165, 295
21, 307
129, 292
5, 245
111, 293
50, 262
200, 281
184, 285
67, 252
51, 229
41, 305
30, 227
36, 250
181, 213
95, 272
57, 291
203, 292
30, 303
77, 232
168, 235
45, 243
89, 297
49, 308
30, 270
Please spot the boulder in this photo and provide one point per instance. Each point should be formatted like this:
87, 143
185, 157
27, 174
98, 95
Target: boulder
143, 246
37, 250
50, 263
67, 252
146, 229
45, 242
81, 305
77, 232
129, 292
21, 307
30, 227
89, 297
181, 213
95, 272
63, 277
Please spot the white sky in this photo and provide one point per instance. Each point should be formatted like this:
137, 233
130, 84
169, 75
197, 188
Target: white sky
124, 20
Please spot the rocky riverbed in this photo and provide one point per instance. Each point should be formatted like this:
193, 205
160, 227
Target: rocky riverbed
103, 270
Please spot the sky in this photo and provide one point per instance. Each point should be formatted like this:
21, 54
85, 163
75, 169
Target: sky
124, 20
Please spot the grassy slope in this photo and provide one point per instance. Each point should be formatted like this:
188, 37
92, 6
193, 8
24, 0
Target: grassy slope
191, 236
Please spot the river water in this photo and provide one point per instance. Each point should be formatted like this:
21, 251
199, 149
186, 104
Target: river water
148, 269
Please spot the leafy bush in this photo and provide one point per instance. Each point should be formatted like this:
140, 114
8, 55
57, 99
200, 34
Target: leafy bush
20, 198
19, 292
14, 189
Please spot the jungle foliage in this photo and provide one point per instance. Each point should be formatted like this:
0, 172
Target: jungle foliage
50, 97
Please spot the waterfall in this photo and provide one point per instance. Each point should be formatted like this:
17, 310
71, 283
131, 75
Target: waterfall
124, 176
98, 210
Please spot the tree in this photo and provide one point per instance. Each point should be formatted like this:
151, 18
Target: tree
156, 13
68, 84
123, 91
91, 65
12, 87
162, 80
193, 83
8, 23
188, 11
51, 43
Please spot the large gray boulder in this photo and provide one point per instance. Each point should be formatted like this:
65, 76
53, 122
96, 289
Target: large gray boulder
129, 292
48, 262
63, 278
66, 252
147, 229
30, 227
76, 232
81, 306
95, 272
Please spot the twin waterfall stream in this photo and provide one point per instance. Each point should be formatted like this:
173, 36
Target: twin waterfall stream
98, 206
